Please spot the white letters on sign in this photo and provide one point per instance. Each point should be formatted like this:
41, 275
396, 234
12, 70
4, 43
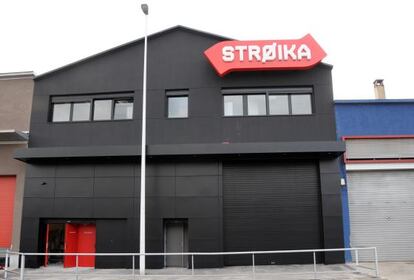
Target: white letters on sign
281, 52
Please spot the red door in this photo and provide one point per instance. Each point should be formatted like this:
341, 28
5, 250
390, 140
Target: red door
71, 244
80, 239
47, 245
86, 244
7, 190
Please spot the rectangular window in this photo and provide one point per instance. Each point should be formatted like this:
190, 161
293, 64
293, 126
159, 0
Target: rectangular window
177, 106
98, 107
233, 105
81, 111
267, 101
61, 112
102, 109
278, 104
301, 104
256, 105
123, 109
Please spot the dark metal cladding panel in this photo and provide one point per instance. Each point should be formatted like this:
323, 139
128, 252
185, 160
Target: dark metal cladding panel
176, 61
112, 237
271, 206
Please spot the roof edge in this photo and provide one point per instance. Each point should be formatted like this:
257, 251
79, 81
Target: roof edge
325, 65
373, 101
153, 35
17, 75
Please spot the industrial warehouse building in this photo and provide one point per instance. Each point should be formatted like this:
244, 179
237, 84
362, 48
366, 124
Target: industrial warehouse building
244, 162
378, 193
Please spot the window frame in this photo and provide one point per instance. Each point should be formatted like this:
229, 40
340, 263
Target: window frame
52, 111
289, 91
174, 94
112, 109
246, 98
72, 107
244, 107
114, 105
90, 98
291, 106
289, 113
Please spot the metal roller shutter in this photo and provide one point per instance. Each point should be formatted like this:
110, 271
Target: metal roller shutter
379, 148
381, 207
271, 206
7, 190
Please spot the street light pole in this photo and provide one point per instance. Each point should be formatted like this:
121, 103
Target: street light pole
144, 8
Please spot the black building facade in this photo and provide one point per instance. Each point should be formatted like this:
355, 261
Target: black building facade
230, 173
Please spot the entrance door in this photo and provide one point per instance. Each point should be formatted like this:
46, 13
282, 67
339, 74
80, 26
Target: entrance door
71, 244
80, 239
54, 243
86, 244
176, 242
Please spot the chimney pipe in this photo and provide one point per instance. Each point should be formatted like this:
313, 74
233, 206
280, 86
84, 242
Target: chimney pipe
379, 89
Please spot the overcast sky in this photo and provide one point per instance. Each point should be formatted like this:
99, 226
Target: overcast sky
365, 40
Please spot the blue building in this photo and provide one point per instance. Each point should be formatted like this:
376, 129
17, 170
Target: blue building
378, 176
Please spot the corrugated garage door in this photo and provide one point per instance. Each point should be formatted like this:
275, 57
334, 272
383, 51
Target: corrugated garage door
7, 190
271, 206
388, 148
381, 206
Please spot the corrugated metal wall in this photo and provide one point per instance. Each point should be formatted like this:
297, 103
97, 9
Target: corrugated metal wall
271, 206
381, 205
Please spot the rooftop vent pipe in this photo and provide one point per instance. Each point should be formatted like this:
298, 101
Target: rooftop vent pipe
379, 89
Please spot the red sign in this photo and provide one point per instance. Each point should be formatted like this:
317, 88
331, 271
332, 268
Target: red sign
229, 56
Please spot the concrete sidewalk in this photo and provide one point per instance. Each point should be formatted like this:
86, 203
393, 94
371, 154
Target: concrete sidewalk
397, 270
344, 271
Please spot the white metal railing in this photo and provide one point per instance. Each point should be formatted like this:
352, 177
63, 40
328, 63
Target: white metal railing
21, 273
7, 254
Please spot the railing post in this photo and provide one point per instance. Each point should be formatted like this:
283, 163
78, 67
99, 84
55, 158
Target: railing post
376, 262
22, 264
6, 264
253, 267
76, 269
314, 265
356, 257
133, 266
192, 264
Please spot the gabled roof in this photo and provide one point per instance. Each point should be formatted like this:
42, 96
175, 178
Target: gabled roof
140, 40
137, 41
